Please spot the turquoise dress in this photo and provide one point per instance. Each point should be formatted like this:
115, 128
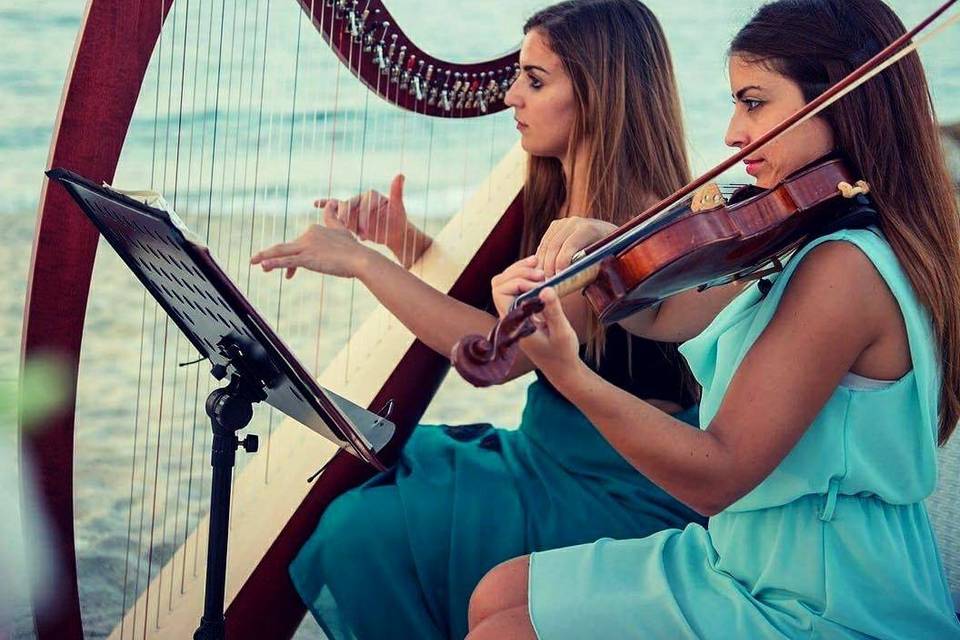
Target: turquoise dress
398, 557
835, 543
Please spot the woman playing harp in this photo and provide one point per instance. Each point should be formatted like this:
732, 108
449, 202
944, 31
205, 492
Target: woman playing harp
823, 400
604, 140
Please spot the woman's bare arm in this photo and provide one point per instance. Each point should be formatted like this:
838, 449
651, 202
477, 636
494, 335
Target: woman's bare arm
683, 316
823, 327
437, 319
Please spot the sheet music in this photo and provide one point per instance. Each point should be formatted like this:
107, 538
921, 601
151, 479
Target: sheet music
157, 201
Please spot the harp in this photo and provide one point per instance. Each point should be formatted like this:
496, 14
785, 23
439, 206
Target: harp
200, 83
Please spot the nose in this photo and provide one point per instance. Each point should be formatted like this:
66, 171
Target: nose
736, 135
513, 97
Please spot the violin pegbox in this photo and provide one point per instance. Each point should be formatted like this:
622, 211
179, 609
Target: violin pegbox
707, 198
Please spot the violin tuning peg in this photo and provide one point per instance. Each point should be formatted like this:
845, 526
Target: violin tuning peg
706, 198
848, 190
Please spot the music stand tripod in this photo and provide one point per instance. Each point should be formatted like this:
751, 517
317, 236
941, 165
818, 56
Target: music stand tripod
181, 274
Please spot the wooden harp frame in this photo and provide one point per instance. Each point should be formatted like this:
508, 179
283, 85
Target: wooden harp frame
110, 59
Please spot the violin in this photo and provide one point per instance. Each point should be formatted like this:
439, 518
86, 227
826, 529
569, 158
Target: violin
695, 238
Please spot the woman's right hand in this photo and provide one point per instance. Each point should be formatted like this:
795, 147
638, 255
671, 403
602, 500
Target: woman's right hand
565, 237
380, 219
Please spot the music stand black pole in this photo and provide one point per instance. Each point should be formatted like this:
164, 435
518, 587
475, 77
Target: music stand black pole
225, 328
230, 410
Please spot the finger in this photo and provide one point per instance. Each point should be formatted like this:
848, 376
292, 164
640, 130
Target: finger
529, 261
569, 247
396, 190
350, 214
282, 249
365, 215
282, 262
515, 287
544, 241
320, 203
346, 215
523, 269
291, 271
549, 264
551, 243
330, 218
528, 273
552, 310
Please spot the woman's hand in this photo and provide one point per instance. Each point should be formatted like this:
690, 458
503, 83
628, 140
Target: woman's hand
520, 277
332, 250
554, 346
375, 217
566, 236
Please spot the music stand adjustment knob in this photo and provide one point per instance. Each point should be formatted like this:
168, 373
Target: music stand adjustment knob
250, 443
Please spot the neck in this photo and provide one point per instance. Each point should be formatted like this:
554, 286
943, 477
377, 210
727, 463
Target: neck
575, 174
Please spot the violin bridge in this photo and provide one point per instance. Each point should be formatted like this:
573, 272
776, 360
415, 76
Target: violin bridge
706, 198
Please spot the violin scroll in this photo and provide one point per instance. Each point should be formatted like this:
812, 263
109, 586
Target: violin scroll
484, 362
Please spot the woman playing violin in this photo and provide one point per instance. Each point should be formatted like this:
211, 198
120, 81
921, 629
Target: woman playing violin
824, 397
416, 540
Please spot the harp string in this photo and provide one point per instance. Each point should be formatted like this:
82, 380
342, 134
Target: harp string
301, 219
153, 341
163, 403
307, 153
321, 108
200, 126
357, 146
190, 418
226, 213
286, 218
176, 420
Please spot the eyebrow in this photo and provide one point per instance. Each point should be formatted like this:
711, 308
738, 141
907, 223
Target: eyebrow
531, 67
743, 90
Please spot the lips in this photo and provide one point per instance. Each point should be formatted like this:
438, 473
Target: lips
753, 165
520, 125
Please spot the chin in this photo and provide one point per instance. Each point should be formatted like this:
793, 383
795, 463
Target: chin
765, 182
537, 150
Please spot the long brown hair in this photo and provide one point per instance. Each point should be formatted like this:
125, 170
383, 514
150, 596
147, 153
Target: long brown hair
627, 116
887, 129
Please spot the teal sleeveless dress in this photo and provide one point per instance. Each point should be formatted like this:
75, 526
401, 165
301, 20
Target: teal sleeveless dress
835, 543
399, 556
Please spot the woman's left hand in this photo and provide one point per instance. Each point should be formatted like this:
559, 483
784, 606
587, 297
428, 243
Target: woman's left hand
554, 346
330, 249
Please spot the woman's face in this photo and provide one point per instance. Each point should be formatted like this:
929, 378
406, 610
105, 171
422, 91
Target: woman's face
762, 99
542, 99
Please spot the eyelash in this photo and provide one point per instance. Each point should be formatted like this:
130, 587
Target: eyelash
752, 104
535, 83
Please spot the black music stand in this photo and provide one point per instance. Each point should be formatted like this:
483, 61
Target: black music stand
224, 327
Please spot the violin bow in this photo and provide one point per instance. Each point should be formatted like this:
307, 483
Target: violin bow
486, 361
